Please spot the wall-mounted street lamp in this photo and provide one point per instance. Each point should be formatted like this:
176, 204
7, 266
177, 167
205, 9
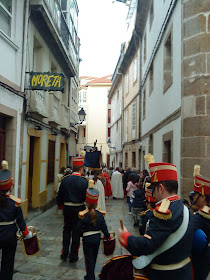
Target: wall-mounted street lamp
81, 115
109, 144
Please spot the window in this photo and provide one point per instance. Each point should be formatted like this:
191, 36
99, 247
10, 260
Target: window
126, 159
109, 102
6, 16
167, 154
84, 132
37, 57
133, 159
126, 83
151, 82
126, 126
109, 132
168, 62
144, 104
145, 47
151, 144
109, 115
151, 13
135, 70
133, 121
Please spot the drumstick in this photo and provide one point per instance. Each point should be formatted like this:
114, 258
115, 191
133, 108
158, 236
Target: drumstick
121, 223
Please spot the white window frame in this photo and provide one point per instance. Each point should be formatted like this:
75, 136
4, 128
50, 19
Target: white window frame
127, 82
126, 126
133, 132
135, 69
10, 15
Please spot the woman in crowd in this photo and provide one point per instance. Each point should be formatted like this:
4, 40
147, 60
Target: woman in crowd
131, 187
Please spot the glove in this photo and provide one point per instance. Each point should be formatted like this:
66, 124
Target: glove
123, 235
29, 235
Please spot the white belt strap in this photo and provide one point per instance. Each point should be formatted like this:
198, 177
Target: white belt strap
173, 266
73, 204
87, 233
7, 223
170, 241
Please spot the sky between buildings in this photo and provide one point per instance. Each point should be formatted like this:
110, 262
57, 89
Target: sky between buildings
102, 29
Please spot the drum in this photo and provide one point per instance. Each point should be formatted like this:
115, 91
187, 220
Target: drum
121, 267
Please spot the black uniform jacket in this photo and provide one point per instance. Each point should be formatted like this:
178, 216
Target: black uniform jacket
144, 220
100, 224
156, 234
203, 223
72, 189
12, 212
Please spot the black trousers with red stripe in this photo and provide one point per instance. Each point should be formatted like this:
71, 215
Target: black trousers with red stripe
71, 230
90, 247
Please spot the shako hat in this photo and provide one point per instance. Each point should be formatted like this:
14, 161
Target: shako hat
5, 177
201, 184
161, 171
92, 194
148, 194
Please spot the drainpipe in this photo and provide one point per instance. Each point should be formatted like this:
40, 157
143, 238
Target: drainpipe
20, 112
25, 32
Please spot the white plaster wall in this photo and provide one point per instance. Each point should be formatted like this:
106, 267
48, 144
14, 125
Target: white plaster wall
11, 48
174, 126
160, 105
116, 140
96, 119
14, 102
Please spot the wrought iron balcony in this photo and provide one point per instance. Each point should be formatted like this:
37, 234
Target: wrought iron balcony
49, 20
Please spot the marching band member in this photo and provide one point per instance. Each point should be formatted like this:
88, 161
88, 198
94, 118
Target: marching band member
167, 243
92, 222
11, 216
71, 196
200, 199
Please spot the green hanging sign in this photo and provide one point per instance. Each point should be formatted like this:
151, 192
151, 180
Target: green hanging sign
46, 81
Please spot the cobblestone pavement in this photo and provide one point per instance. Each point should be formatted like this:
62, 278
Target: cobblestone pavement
48, 265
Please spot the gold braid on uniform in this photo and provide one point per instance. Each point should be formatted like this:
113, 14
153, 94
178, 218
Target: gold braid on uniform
163, 212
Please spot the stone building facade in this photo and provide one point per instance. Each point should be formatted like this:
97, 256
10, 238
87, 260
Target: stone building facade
173, 90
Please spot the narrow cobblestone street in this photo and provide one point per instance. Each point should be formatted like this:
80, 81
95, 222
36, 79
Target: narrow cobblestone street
48, 265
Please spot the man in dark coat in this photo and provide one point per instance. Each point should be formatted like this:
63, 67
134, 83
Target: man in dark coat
171, 256
200, 199
72, 195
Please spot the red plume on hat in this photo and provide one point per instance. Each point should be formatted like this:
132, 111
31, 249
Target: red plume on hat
201, 184
5, 177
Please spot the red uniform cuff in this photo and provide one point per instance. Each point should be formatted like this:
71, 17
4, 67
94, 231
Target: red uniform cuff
60, 207
123, 238
26, 231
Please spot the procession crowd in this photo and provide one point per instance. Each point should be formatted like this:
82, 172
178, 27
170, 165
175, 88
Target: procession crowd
173, 241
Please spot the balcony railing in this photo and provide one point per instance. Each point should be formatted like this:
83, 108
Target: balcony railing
54, 109
63, 29
38, 105
65, 119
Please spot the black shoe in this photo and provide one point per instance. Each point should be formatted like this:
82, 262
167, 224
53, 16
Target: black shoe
73, 260
114, 197
64, 257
